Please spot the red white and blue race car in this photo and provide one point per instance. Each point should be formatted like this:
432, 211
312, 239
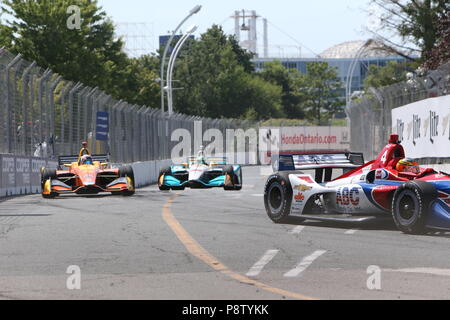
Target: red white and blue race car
416, 200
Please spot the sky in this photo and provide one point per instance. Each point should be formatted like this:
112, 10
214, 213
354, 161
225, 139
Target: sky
312, 25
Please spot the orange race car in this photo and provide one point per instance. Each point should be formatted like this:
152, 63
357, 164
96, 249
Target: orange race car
86, 174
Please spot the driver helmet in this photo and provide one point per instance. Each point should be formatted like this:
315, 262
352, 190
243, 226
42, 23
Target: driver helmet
86, 159
408, 165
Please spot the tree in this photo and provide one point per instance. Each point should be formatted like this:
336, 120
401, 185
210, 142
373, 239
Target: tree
218, 82
41, 31
440, 53
275, 73
392, 72
140, 86
414, 21
321, 86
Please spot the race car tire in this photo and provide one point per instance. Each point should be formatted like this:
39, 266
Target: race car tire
236, 178
164, 171
127, 171
411, 206
46, 174
278, 197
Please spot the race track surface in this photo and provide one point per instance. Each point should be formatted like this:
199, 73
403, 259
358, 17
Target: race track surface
207, 244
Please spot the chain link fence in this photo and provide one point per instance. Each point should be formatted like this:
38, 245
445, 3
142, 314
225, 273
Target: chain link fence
370, 116
44, 115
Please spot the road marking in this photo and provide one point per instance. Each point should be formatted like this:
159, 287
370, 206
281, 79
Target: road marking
258, 266
297, 230
434, 271
305, 263
200, 253
351, 231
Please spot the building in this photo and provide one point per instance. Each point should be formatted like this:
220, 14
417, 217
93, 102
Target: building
341, 56
164, 39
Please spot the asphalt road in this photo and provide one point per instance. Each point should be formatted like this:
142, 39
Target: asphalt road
207, 244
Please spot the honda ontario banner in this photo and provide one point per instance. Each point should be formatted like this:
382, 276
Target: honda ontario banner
424, 127
310, 139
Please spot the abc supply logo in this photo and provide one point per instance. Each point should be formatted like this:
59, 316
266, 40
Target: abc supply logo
346, 196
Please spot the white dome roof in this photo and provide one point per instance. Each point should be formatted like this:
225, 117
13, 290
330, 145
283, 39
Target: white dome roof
348, 50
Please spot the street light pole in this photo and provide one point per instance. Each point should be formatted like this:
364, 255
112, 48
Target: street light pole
351, 70
171, 65
194, 10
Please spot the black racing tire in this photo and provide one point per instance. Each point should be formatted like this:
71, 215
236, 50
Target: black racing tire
236, 178
164, 171
411, 206
278, 197
127, 171
177, 188
46, 174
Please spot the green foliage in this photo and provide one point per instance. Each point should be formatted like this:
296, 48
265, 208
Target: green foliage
392, 72
283, 122
217, 80
91, 54
274, 72
321, 89
414, 21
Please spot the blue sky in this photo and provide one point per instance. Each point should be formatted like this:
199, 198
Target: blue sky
317, 25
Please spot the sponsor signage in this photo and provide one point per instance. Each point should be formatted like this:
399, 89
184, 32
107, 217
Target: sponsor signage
102, 127
310, 139
23, 177
8, 165
424, 127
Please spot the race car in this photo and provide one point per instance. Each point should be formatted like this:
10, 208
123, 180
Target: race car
417, 200
86, 174
201, 172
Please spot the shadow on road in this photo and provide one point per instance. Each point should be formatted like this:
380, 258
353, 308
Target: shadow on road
378, 225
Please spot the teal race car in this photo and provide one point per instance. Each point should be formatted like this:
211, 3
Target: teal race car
201, 173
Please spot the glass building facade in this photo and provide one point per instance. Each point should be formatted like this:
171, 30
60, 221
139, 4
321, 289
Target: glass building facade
342, 66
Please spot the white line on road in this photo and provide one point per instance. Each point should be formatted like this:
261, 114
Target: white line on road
258, 266
435, 271
305, 263
351, 231
297, 230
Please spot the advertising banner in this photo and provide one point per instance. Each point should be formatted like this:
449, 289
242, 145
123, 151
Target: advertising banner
424, 127
8, 183
313, 139
36, 165
23, 177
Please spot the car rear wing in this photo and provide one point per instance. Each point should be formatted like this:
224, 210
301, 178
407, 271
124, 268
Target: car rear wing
62, 160
319, 162
216, 160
